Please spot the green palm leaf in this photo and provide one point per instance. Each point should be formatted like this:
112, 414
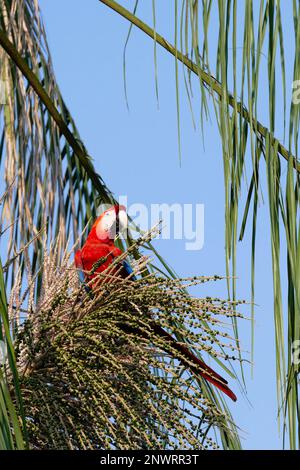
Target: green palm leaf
242, 134
57, 188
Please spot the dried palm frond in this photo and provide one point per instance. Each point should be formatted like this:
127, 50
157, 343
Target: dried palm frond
52, 189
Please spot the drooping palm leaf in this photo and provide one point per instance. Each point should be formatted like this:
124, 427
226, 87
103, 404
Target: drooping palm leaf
244, 139
56, 180
57, 189
11, 434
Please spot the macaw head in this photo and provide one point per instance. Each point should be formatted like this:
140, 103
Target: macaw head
109, 224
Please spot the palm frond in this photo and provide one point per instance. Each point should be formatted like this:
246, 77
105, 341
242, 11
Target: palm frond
243, 134
11, 405
57, 185
57, 188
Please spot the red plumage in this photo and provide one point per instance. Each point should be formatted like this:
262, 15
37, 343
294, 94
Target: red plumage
100, 244
96, 248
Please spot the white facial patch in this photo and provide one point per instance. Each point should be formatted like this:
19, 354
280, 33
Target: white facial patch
105, 224
108, 225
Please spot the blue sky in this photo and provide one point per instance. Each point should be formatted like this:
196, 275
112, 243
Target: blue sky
136, 153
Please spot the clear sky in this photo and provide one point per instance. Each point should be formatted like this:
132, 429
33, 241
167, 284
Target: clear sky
136, 153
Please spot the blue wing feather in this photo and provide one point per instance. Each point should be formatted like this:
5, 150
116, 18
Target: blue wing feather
83, 281
128, 269
81, 276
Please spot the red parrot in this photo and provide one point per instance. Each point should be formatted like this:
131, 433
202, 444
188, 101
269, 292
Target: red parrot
100, 244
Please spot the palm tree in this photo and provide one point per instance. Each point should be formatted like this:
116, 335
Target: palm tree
53, 189
52, 192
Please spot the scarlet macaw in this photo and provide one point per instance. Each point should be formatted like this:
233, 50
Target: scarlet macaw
100, 244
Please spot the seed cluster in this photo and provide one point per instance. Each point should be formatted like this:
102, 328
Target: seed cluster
94, 374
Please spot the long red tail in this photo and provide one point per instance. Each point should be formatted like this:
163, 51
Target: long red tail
201, 368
